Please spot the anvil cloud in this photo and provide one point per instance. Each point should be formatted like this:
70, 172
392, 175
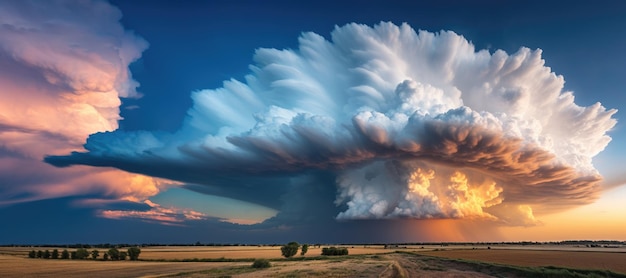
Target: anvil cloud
410, 124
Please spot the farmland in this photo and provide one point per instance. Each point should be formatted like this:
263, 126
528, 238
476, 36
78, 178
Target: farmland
363, 261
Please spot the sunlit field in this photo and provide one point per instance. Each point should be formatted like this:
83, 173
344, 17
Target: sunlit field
364, 261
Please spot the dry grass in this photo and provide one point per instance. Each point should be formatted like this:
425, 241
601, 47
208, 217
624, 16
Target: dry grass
238, 252
613, 261
13, 266
376, 264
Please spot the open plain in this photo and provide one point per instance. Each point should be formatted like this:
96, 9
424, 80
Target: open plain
363, 261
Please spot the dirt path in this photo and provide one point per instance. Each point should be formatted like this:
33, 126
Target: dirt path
419, 266
393, 270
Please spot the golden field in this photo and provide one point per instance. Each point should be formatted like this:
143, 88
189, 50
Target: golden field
363, 261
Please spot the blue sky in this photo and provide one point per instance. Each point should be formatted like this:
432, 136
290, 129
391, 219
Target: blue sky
159, 168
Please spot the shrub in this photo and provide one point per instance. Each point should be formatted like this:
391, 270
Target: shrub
290, 249
65, 254
123, 256
133, 253
82, 253
305, 248
334, 251
95, 254
32, 254
261, 263
114, 254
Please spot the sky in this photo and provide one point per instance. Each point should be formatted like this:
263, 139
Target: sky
314, 121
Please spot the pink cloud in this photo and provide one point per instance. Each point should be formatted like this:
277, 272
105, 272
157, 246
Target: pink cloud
63, 69
163, 215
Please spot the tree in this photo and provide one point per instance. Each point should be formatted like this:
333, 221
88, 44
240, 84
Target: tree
123, 256
95, 254
39, 254
46, 254
73, 255
82, 253
65, 254
32, 254
305, 248
133, 253
105, 256
55, 254
114, 254
290, 249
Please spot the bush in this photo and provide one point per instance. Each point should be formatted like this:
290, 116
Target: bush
290, 249
114, 254
32, 254
133, 253
82, 253
334, 251
305, 248
261, 263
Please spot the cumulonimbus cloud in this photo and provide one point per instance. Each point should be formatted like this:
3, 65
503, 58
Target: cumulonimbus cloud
413, 125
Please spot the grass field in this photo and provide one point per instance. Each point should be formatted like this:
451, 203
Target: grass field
614, 261
370, 261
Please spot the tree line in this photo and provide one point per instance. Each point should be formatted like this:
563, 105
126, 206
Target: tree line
112, 254
291, 249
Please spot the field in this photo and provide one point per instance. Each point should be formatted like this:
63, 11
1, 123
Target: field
584, 260
363, 261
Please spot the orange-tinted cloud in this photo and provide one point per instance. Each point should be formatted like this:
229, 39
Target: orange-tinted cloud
157, 213
63, 69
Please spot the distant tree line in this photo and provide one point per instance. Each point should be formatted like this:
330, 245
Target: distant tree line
334, 251
112, 254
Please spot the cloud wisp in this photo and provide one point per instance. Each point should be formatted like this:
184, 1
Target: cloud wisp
410, 124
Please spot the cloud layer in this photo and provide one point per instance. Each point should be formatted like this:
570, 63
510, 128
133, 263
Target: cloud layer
411, 125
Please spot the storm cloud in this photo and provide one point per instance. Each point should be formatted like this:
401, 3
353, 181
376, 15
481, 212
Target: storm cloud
409, 124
